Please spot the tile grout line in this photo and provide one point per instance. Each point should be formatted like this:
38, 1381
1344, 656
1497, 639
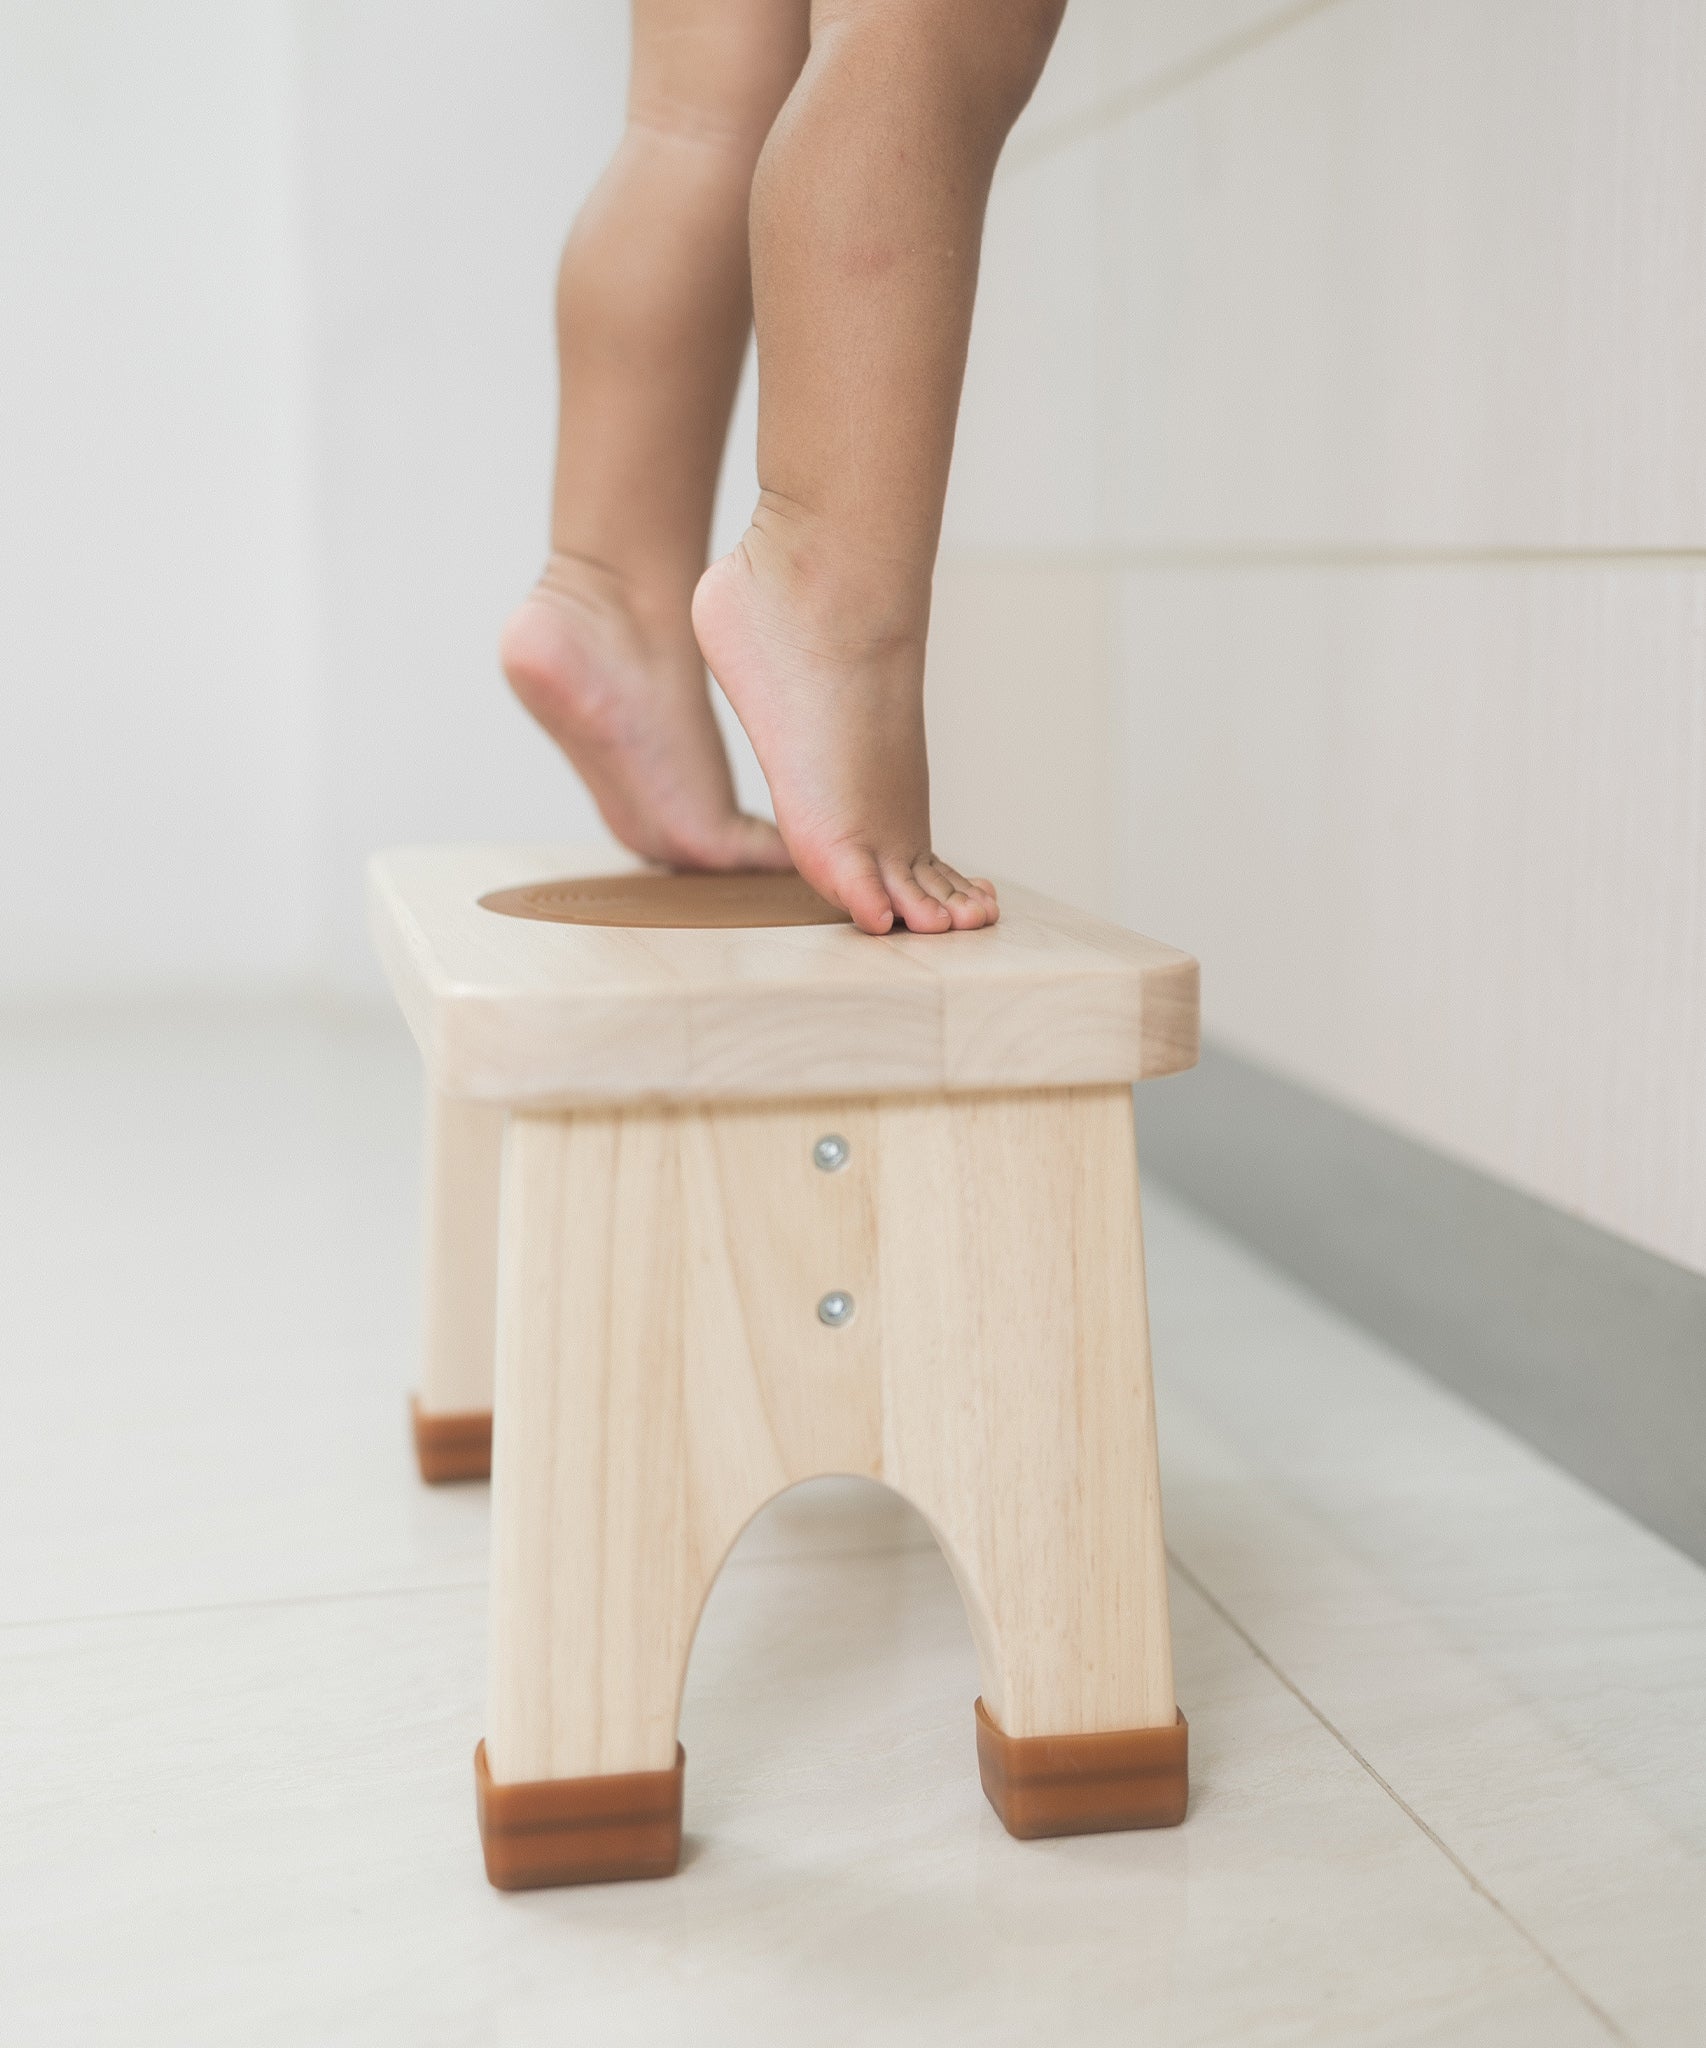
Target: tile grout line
268, 1602
258, 1603
1161, 85
1451, 1856
1254, 557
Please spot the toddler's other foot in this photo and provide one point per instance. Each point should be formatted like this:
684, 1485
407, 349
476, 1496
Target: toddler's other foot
835, 713
630, 709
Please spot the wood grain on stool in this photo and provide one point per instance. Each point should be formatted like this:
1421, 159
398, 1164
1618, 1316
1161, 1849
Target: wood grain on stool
453, 1411
524, 1011
662, 1374
687, 1313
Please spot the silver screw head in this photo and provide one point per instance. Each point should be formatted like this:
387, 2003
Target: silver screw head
835, 1309
829, 1154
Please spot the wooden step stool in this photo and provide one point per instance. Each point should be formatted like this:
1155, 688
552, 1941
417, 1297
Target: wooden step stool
732, 1195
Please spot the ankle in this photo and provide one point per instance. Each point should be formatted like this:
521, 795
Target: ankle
581, 581
651, 605
847, 595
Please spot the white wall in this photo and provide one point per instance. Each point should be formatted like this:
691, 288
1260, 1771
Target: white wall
1344, 361
444, 150
156, 691
277, 395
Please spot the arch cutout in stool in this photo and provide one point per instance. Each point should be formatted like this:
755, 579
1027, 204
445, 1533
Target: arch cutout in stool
622, 1826
986, 1381
659, 901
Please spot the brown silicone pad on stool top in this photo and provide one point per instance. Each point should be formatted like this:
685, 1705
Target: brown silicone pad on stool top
665, 902
452, 1447
579, 1830
1084, 1784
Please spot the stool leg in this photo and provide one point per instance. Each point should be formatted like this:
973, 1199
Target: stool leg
1021, 1421
453, 1411
598, 1572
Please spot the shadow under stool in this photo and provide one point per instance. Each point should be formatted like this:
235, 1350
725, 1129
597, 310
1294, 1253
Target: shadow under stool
723, 1195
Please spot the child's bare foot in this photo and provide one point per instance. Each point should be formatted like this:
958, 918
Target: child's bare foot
629, 708
835, 712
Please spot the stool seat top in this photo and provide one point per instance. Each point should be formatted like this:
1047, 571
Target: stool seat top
508, 1004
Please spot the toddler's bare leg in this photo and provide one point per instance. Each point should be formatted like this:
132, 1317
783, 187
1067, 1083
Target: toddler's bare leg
867, 213
653, 311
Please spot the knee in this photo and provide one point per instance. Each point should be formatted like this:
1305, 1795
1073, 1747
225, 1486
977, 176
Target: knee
982, 58
718, 83
731, 128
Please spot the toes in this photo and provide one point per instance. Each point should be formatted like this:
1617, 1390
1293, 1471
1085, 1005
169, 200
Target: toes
856, 885
982, 892
973, 885
933, 877
968, 907
985, 899
921, 895
922, 910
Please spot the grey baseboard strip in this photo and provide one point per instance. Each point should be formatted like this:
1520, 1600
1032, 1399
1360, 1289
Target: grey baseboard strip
1589, 1347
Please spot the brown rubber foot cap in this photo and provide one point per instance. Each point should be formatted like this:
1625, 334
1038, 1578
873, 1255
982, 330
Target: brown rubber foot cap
451, 1447
1084, 1784
579, 1830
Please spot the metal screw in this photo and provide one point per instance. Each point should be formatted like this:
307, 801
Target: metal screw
835, 1309
829, 1155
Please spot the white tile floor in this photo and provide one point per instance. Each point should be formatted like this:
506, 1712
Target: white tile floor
1448, 1710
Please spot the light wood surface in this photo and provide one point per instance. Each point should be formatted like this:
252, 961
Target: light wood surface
464, 1153
508, 1010
662, 1373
